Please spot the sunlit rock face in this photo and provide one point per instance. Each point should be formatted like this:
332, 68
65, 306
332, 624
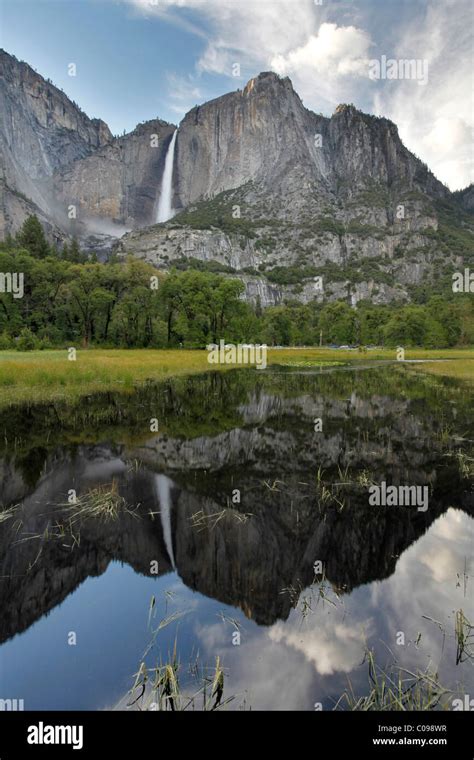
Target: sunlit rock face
258, 134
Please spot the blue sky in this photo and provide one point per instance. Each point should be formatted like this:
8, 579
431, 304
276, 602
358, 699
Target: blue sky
138, 59
123, 58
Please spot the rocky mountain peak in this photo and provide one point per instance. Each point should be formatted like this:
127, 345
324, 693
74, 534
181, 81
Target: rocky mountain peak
267, 80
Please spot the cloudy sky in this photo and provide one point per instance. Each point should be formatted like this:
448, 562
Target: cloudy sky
137, 59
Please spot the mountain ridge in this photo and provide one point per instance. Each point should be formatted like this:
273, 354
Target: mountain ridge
263, 187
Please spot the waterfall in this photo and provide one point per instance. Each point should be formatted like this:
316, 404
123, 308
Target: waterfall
163, 488
165, 211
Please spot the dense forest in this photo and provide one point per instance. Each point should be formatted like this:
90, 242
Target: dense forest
70, 298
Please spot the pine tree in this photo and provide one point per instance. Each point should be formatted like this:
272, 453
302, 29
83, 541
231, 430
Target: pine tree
32, 237
75, 252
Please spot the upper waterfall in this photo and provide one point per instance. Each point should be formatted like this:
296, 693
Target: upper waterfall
165, 210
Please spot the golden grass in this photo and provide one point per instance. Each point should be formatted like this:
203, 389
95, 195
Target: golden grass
386, 354
458, 368
103, 502
49, 375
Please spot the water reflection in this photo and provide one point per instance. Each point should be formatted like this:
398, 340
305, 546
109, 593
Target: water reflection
302, 498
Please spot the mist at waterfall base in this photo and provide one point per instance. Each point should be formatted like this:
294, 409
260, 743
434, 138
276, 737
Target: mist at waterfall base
165, 210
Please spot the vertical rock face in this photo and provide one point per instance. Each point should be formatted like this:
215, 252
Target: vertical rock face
120, 181
251, 135
41, 127
339, 197
367, 147
41, 130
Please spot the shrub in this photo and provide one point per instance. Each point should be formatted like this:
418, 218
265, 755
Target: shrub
5, 341
26, 340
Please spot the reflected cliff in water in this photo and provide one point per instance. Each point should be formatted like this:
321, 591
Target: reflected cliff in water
237, 495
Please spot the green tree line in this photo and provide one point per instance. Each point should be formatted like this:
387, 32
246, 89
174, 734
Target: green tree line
69, 298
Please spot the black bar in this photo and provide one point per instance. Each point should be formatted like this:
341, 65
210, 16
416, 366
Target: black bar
235, 733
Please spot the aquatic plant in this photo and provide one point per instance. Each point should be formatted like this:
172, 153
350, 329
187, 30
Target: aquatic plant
103, 502
396, 689
464, 634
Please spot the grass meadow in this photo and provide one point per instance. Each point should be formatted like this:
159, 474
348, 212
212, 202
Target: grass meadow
49, 375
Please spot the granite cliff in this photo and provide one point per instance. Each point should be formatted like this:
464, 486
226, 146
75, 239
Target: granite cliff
263, 189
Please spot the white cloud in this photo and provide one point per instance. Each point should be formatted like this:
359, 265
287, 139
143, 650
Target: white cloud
286, 667
334, 51
436, 121
330, 648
